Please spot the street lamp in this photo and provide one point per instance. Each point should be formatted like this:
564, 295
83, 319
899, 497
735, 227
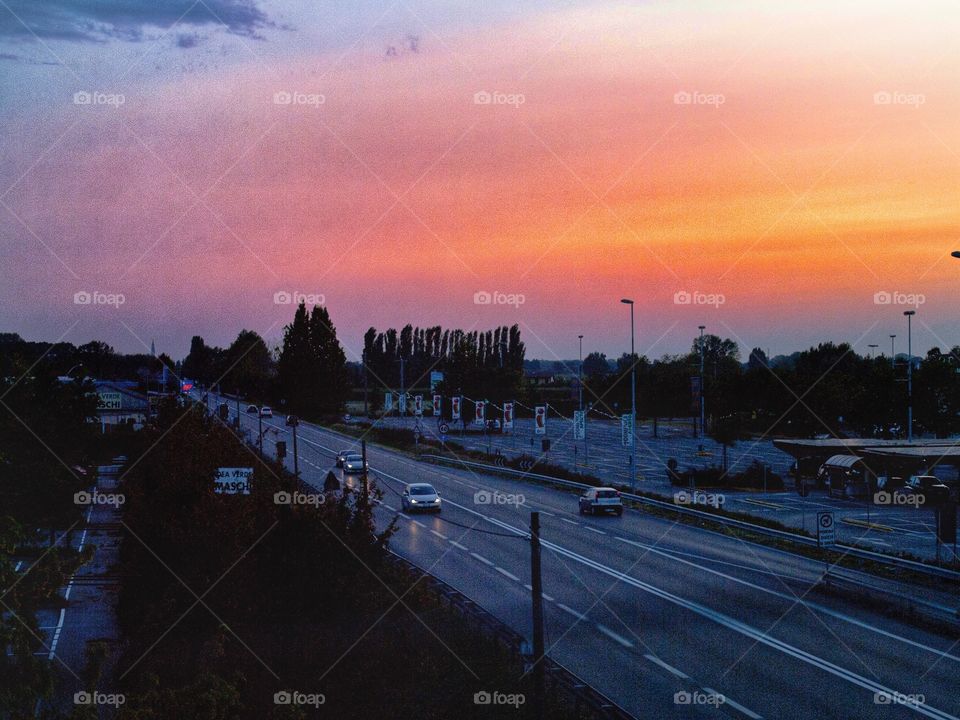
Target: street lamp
893, 354
909, 314
633, 402
580, 372
873, 350
702, 411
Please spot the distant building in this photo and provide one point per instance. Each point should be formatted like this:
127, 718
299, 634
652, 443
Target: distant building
120, 403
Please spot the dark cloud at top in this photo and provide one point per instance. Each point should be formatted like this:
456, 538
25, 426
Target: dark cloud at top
98, 20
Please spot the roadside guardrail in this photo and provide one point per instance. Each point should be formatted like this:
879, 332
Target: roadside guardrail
851, 550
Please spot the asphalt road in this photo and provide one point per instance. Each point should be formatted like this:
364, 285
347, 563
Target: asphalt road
643, 608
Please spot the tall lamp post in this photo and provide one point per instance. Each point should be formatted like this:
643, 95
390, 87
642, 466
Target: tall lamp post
580, 372
893, 353
702, 409
633, 402
873, 350
909, 314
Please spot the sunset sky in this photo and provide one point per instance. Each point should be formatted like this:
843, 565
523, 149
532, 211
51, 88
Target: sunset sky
791, 160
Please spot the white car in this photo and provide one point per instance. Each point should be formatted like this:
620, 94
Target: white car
601, 500
420, 496
252, 409
266, 412
353, 463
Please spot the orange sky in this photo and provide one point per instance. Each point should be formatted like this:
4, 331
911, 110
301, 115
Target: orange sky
797, 198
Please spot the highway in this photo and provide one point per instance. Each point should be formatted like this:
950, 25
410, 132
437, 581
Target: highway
888, 529
644, 608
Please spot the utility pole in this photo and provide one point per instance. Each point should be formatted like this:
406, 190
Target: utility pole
238, 409
296, 459
403, 387
702, 402
366, 410
536, 582
363, 472
260, 423
893, 355
580, 388
633, 402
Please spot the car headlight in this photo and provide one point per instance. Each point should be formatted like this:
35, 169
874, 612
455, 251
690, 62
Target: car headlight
413, 501
437, 500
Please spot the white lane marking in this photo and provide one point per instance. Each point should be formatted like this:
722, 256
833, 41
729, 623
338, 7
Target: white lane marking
572, 522
801, 601
482, 559
669, 668
17, 568
735, 705
594, 530
419, 523
614, 636
544, 512
459, 546
507, 573
390, 507
438, 534
578, 615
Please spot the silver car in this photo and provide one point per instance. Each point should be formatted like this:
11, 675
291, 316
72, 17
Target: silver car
353, 463
420, 496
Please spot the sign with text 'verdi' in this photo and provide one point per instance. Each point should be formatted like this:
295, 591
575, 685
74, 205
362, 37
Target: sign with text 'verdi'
232, 481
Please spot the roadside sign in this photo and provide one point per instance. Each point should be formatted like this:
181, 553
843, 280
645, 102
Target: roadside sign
436, 377
402, 403
437, 403
579, 425
388, 402
540, 418
481, 407
508, 416
455, 407
626, 430
109, 400
826, 532
418, 405
232, 481
444, 428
